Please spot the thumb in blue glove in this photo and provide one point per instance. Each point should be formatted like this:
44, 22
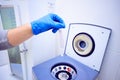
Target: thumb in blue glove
50, 21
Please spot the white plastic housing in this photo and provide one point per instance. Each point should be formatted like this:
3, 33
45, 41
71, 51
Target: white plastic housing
100, 36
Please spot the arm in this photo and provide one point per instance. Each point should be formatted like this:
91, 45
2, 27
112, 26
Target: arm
19, 34
13, 37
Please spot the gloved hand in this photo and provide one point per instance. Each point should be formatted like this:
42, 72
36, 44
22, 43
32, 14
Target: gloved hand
50, 21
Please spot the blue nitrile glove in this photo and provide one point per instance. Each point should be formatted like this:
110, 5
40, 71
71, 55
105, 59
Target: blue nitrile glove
50, 21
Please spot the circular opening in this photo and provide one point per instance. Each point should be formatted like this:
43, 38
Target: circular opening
82, 44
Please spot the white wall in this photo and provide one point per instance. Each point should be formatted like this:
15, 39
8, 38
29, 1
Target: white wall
101, 12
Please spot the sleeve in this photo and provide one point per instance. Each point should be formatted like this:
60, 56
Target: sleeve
4, 44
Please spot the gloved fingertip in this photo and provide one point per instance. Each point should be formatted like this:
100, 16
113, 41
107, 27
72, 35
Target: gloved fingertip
63, 25
54, 30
